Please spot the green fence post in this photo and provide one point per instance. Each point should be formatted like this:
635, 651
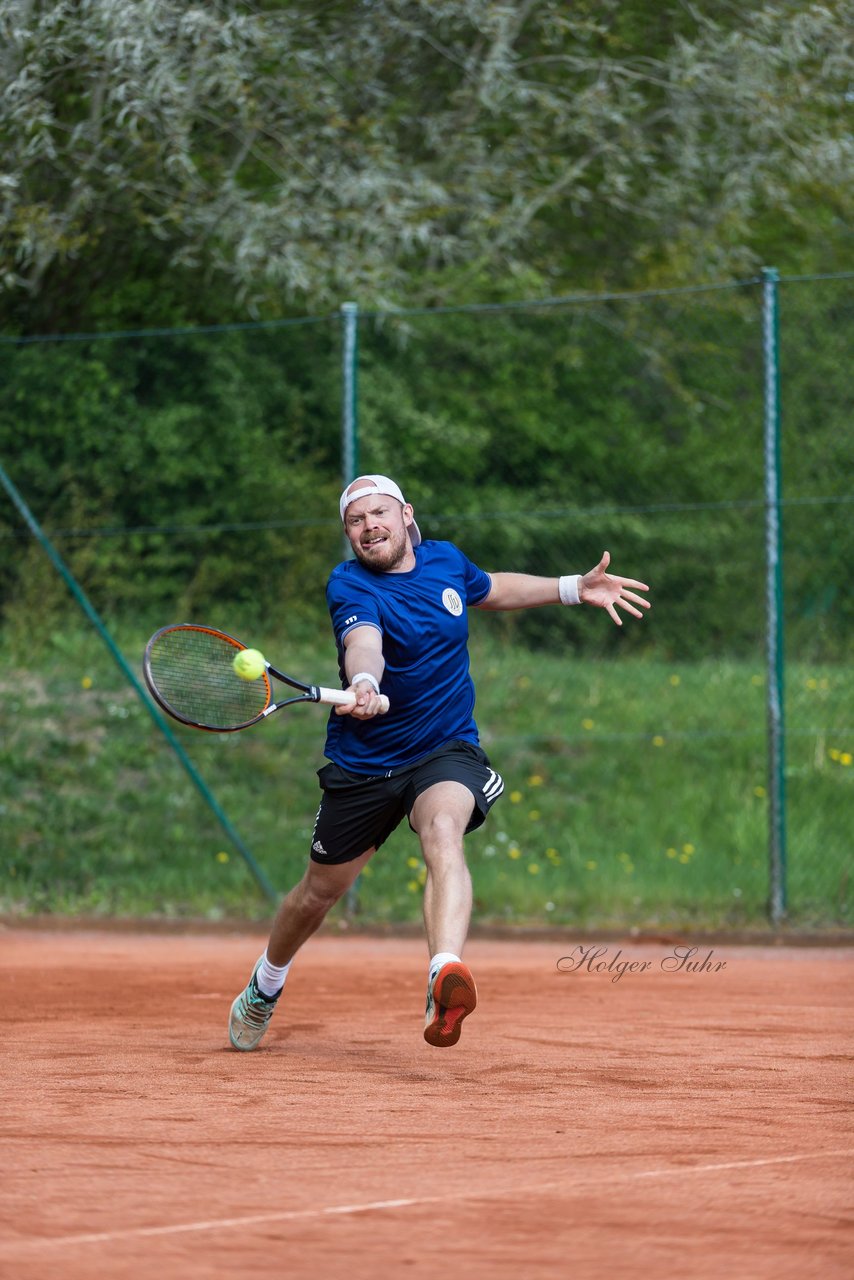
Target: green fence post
350, 452
350, 374
75, 589
774, 602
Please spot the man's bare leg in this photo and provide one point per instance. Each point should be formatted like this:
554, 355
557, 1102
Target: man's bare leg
440, 816
303, 910
301, 913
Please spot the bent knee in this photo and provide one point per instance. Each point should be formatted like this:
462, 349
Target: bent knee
447, 821
441, 814
443, 828
442, 842
320, 895
323, 886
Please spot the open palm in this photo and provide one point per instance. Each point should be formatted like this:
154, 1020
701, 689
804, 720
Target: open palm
607, 591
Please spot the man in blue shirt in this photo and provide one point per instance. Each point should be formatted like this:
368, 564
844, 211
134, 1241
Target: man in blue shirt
398, 611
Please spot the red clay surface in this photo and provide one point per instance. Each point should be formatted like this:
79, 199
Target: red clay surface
665, 1124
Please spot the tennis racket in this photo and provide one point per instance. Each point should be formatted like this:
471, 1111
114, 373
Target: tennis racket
189, 672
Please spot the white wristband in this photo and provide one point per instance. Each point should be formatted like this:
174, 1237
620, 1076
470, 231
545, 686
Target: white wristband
366, 675
569, 589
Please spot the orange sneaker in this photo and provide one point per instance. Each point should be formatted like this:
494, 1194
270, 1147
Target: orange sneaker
451, 996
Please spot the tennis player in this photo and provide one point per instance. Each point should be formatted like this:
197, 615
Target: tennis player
399, 615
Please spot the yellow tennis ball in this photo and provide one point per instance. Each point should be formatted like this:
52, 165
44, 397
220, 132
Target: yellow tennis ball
249, 664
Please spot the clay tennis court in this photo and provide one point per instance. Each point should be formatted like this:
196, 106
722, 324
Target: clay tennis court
663, 1124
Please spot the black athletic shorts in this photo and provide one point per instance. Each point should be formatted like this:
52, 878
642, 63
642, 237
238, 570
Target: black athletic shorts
358, 813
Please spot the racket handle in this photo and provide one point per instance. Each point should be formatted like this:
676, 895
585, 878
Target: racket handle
340, 698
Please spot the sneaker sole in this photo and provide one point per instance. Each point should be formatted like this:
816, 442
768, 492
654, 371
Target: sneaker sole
454, 998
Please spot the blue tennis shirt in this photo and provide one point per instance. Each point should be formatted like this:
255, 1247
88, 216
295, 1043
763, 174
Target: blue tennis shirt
422, 617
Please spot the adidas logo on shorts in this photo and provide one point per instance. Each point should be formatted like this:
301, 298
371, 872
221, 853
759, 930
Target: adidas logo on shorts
317, 847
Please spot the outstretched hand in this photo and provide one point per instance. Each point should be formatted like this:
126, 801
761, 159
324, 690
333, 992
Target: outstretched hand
607, 591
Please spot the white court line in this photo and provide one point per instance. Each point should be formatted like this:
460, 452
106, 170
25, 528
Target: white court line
296, 1215
737, 1164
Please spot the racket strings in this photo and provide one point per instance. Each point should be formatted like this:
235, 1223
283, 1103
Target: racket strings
193, 673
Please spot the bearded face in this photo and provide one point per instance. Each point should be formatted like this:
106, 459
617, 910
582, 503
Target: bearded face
377, 530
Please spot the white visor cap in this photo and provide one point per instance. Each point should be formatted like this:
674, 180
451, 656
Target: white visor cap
377, 484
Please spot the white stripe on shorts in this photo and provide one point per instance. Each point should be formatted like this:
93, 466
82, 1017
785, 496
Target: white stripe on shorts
494, 785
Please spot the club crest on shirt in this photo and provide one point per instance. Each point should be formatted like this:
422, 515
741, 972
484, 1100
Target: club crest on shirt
452, 602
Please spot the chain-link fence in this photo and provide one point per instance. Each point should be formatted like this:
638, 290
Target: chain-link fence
196, 474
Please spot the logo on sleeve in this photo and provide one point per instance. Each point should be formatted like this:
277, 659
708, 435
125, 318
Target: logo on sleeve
452, 602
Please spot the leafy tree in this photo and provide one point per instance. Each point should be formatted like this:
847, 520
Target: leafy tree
391, 149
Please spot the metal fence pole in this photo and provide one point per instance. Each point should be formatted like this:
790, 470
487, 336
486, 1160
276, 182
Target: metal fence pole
350, 375
774, 602
350, 454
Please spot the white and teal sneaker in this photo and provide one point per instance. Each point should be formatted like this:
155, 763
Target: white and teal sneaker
250, 1015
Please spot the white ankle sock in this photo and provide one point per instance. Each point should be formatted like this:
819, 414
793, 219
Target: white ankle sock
270, 978
440, 958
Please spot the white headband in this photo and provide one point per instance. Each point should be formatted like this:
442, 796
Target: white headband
377, 484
